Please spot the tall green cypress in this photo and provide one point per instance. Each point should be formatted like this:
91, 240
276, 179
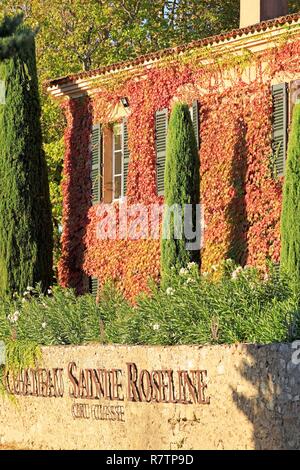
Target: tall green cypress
182, 187
25, 211
290, 218
12, 36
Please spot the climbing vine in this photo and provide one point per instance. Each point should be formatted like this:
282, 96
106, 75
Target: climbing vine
241, 198
20, 355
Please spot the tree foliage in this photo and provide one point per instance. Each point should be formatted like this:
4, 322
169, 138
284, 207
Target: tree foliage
84, 34
13, 38
25, 212
294, 6
88, 33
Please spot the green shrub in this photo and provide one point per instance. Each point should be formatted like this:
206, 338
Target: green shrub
241, 306
198, 310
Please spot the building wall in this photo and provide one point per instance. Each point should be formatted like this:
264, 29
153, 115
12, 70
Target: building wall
241, 198
250, 399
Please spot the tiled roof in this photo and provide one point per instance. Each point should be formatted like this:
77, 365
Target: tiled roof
234, 34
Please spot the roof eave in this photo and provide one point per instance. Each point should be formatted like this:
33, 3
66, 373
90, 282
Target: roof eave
88, 84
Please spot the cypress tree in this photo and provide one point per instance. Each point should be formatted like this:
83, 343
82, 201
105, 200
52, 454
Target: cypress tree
12, 36
290, 219
25, 211
182, 186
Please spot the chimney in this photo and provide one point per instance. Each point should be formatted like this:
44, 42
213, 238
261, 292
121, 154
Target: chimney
255, 11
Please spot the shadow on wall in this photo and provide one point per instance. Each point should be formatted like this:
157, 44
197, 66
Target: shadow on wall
76, 192
236, 213
270, 397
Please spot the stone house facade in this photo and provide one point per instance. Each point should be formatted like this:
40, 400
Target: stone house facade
241, 87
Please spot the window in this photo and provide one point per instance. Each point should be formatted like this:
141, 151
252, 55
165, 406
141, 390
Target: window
117, 161
285, 95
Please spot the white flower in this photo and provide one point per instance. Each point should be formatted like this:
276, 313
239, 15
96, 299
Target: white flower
236, 273
49, 291
172, 268
16, 316
23, 300
156, 326
205, 274
29, 288
25, 293
192, 265
44, 325
170, 291
13, 318
183, 272
214, 267
190, 281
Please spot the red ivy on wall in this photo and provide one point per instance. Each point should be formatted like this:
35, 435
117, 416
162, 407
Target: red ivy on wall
242, 202
76, 188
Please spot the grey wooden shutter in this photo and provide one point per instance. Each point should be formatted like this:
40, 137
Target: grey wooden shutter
126, 156
280, 124
195, 119
96, 172
94, 286
161, 128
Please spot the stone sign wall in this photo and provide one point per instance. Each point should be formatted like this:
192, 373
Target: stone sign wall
157, 398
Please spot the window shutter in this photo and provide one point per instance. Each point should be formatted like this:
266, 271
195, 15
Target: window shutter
94, 286
195, 119
161, 128
96, 148
280, 124
125, 157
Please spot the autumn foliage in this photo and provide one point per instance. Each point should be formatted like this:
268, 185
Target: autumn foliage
241, 199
